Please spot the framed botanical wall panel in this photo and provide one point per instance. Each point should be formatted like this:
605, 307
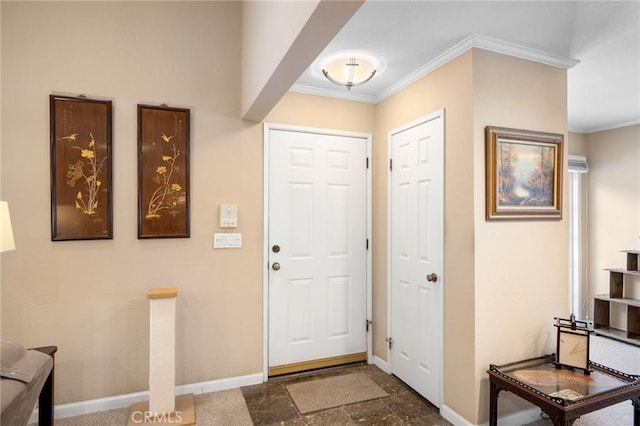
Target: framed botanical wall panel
80, 144
163, 172
524, 174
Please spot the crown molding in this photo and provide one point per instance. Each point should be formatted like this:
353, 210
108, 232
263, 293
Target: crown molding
472, 41
427, 68
330, 93
479, 42
596, 129
515, 50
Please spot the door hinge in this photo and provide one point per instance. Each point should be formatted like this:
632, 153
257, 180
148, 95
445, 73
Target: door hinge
367, 162
368, 323
391, 164
367, 244
389, 341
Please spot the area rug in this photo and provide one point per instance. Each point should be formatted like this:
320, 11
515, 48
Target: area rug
212, 409
333, 392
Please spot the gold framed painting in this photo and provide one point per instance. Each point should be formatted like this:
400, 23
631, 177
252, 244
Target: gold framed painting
523, 174
163, 172
80, 144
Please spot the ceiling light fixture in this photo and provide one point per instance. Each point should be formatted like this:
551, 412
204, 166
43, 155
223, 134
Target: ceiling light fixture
350, 69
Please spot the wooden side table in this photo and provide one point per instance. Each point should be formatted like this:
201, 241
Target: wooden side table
564, 394
45, 400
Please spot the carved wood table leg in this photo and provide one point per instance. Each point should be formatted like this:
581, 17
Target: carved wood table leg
561, 422
494, 390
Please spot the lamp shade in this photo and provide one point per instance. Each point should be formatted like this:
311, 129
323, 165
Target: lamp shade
6, 232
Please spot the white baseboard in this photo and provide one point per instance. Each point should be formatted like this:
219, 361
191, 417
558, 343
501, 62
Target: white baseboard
453, 417
220, 384
514, 419
127, 400
380, 363
518, 418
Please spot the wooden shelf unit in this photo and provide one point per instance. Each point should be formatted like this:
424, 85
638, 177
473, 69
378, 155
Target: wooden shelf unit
602, 304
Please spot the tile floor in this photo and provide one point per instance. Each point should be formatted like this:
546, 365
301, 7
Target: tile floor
270, 404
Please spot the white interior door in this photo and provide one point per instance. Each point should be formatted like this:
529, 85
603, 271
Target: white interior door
416, 243
317, 231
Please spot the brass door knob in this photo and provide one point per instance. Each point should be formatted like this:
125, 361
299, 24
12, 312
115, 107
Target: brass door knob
275, 266
432, 277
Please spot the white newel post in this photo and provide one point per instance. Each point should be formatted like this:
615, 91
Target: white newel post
162, 349
163, 407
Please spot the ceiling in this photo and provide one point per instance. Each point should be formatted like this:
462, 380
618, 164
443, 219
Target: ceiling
415, 37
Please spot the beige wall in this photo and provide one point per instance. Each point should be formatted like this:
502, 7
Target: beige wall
613, 204
280, 39
269, 28
521, 266
577, 143
449, 87
496, 309
89, 297
328, 113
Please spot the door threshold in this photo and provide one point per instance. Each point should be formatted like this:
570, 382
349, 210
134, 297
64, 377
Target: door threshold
315, 364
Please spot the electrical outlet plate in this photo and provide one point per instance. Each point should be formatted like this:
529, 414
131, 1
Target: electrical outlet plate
227, 240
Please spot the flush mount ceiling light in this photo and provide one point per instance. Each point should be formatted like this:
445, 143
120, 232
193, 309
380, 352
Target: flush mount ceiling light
350, 69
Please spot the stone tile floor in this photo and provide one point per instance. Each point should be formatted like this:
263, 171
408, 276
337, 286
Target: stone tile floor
270, 404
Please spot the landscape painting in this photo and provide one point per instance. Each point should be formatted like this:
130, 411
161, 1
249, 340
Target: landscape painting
523, 174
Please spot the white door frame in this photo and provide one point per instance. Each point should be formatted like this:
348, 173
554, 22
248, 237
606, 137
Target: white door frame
402, 128
265, 229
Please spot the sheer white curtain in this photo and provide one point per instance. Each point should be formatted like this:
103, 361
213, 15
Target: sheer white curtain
578, 302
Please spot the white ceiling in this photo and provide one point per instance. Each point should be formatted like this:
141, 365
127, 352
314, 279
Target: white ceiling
412, 36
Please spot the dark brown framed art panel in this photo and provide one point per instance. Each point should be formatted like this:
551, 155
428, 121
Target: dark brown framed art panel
524, 174
163, 172
81, 192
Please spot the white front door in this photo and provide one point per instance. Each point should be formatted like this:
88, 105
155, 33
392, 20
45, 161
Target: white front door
317, 255
416, 204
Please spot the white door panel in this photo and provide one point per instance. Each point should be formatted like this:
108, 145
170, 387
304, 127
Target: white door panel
416, 200
317, 216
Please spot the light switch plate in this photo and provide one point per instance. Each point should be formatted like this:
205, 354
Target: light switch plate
228, 215
227, 240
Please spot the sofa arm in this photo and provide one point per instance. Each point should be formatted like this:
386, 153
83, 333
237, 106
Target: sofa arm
23, 379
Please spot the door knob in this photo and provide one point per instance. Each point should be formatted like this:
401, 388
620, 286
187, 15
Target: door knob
275, 266
432, 277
